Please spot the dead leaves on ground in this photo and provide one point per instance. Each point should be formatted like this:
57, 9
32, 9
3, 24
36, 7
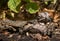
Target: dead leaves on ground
53, 14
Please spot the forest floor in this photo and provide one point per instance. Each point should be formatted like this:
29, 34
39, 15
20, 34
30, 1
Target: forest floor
43, 26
